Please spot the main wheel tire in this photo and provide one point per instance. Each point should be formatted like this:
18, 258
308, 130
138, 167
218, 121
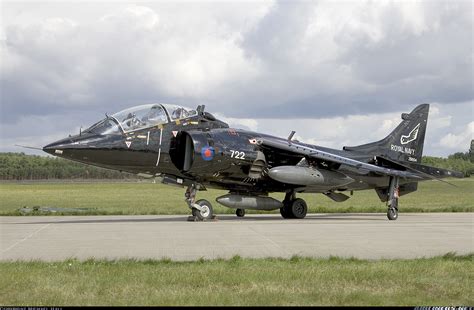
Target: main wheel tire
392, 214
298, 208
206, 212
240, 212
285, 211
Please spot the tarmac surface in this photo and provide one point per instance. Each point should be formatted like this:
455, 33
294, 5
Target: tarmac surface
371, 236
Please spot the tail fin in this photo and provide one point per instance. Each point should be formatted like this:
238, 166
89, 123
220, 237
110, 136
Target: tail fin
405, 143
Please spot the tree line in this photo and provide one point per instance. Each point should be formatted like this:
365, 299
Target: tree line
462, 162
19, 166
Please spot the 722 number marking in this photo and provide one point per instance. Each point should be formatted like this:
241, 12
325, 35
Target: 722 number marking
237, 154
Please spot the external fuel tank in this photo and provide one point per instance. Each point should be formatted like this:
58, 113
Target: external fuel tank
307, 176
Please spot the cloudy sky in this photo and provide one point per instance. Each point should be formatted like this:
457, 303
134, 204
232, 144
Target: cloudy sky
339, 73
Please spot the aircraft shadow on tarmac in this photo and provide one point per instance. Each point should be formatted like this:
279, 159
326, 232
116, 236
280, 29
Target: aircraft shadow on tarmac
226, 218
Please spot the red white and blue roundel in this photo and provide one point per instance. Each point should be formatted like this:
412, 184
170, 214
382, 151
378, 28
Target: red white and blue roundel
207, 153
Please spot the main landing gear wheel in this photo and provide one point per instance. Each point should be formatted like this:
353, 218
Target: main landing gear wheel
240, 212
299, 209
294, 209
206, 211
285, 210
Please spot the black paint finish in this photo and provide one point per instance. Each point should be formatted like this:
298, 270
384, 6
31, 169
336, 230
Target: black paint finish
203, 150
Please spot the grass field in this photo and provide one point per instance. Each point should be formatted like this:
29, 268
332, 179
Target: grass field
446, 280
148, 198
299, 281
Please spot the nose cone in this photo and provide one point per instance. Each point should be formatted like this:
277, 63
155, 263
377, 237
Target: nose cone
57, 148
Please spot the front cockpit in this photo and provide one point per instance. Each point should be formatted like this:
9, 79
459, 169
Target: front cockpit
140, 117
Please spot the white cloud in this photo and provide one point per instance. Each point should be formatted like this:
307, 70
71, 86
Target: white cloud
437, 119
339, 72
351, 130
243, 123
36, 131
460, 140
334, 132
139, 17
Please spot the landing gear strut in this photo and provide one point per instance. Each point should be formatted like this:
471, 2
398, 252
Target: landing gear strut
393, 194
201, 209
293, 208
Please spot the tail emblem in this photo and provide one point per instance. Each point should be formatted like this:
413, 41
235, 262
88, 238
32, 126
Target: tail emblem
411, 136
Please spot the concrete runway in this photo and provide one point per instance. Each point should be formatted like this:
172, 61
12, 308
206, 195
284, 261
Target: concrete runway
372, 236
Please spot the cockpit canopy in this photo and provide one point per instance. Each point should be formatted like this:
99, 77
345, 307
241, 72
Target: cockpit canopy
140, 117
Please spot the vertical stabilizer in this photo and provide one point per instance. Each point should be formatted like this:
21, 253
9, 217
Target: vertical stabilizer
404, 143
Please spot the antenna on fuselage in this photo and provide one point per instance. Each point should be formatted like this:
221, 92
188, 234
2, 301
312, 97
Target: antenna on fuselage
291, 135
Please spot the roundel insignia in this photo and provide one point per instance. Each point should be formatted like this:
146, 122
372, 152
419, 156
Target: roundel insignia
207, 153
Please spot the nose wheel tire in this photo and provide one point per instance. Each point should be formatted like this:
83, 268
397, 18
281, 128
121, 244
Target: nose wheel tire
392, 214
240, 212
206, 213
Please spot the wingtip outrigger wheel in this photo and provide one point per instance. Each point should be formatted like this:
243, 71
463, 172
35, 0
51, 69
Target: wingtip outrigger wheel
392, 212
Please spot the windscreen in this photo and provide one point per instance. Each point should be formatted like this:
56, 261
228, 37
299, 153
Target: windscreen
105, 127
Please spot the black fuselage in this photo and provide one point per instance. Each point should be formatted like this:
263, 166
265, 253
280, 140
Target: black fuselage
204, 150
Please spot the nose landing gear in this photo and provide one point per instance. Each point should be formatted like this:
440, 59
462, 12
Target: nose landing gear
202, 209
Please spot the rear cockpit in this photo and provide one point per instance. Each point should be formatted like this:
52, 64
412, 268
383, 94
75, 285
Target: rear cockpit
176, 112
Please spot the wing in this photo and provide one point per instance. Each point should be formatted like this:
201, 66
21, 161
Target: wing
312, 152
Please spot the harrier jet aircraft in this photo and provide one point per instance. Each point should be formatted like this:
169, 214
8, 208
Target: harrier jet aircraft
192, 148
